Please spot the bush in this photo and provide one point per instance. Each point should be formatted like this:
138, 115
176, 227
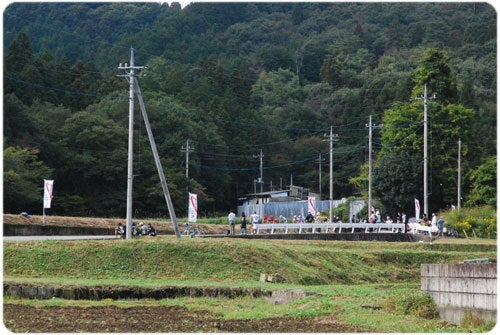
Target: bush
476, 221
420, 305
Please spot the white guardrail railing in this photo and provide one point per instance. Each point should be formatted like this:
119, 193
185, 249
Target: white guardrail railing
329, 227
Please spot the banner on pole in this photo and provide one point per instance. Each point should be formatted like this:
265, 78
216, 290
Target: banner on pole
417, 209
48, 186
193, 207
311, 205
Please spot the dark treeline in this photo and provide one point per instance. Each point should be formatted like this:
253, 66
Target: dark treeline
235, 78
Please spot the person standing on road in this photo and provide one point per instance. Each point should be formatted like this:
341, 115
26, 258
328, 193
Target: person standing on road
231, 218
403, 220
255, 222
440, 225
243, 224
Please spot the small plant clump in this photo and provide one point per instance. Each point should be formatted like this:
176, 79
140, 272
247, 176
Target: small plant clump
420, 305
473, 321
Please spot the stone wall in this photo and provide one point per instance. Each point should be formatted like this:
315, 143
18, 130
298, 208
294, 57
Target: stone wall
38, 230
70, 292
462, 290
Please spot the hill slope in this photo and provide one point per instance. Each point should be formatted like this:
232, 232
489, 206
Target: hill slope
233, 261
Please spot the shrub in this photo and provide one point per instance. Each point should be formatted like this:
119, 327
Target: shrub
420, 305
476, 221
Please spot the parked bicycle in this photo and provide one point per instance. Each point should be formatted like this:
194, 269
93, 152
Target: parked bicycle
192, 231
196, 230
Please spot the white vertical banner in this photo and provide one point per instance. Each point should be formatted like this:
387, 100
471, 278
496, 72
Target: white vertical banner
311, 205
417, 209
48, 186
193, 207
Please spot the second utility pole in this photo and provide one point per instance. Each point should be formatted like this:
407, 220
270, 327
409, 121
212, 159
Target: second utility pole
261, 178
370, 136
426, 193
330, 139
187, 150
426, 202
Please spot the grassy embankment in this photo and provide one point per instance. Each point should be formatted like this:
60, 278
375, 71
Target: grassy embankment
351, 277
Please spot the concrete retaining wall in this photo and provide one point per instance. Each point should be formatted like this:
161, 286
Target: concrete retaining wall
102, 292
462, 289
387, 237
37, 230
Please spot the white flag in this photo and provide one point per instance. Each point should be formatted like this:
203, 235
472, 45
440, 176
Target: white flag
417, 209
311, 205
193, 207
48, 186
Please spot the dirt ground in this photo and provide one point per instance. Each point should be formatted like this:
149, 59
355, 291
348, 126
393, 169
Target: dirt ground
109, 319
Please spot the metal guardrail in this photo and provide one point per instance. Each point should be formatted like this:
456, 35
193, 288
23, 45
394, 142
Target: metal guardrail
330, 227
418, 228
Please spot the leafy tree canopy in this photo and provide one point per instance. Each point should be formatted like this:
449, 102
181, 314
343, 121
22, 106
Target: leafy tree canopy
235, 78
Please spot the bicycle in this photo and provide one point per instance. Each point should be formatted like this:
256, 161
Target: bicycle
193, 231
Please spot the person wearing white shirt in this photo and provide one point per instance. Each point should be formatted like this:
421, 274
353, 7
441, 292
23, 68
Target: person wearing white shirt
255, 222
231, 218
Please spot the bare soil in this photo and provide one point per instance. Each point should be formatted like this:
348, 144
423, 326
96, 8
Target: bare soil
147, 319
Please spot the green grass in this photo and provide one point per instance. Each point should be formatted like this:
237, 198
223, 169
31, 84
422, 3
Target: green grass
345, 275
232, 260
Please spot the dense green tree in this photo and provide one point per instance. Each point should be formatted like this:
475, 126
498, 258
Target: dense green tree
435, 71
20, 54
20, 69
19, 129
23, 175
403, 133
237, 78
484, 184
397, 178
95, 155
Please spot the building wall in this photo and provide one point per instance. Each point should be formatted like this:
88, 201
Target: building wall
461, 289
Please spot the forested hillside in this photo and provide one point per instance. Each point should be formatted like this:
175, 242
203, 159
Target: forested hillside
237, 78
